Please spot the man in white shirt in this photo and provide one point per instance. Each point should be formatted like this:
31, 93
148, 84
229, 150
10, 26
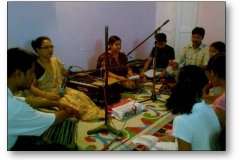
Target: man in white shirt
23, 120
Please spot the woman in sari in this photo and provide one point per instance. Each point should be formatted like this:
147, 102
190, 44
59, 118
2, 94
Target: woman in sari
49, 72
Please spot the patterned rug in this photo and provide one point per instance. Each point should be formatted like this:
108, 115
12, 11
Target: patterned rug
154, 119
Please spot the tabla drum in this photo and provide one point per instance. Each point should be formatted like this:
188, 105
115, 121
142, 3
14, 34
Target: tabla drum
64, 134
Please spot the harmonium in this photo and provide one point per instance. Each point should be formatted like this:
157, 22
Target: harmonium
94, 86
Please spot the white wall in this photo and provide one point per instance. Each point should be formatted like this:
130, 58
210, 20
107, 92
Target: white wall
184, 16
212, 16
167, 11
187, 16
77, 28
27, 20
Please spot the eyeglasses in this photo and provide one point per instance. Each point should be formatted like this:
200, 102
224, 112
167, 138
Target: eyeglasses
47, 47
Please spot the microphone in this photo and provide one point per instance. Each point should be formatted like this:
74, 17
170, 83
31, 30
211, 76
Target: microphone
165, 22
64, 83
157, 30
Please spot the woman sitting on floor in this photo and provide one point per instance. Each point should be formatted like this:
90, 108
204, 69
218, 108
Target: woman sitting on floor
49, 72
117, 63
213, 91
195, 123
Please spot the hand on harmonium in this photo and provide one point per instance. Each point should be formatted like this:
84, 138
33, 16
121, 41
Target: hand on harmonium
126, 82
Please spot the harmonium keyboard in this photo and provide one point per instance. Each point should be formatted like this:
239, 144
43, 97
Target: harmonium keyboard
94, 87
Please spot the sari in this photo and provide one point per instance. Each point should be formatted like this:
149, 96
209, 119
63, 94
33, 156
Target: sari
51, 81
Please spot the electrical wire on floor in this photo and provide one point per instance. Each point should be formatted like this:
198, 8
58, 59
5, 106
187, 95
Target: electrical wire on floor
120, 131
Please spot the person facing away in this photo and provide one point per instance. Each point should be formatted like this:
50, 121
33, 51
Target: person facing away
195, 53
49, 72
195, 123
164, 53
117, 63
211, 92
216, 70
23, 120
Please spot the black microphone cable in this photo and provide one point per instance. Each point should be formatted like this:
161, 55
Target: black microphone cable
127, 119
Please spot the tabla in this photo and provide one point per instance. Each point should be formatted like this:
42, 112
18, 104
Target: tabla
64, 133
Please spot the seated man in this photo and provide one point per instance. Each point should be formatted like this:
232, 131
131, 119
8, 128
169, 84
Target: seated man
23, 120
195, 53
164, 56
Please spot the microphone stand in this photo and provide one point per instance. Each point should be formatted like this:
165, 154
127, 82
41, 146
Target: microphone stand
106, 126
153, 96
148, 37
